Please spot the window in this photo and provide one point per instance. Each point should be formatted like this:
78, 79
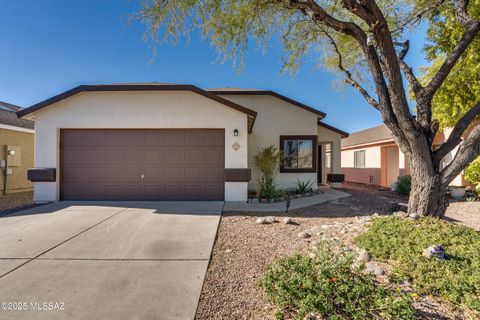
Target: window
359, 159
299, 153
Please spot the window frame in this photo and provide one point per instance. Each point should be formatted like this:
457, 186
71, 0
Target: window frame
355, 159
312, 138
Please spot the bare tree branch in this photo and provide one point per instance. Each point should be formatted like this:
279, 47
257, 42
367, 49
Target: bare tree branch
461, 12
456, 135
349, 78
466, 153
406, 69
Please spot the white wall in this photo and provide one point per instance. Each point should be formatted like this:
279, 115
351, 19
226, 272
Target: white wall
138, 109
373, 158
275, 118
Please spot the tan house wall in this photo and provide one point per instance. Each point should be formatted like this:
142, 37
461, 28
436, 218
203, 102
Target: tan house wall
17, 182
277, 117
138, 109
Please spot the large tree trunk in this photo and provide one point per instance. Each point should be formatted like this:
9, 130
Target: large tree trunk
428, 194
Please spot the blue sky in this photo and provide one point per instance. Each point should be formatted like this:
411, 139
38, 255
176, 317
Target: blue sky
50, 46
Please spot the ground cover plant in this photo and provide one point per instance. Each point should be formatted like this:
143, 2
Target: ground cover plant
401, 242
331, 287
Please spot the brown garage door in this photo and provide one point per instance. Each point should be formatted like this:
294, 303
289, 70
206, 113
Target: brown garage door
177, 164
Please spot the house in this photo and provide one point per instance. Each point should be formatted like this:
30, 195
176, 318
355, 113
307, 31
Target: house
16, 150
371, 156
172, 142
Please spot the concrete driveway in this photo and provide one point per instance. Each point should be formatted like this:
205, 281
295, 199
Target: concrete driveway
106, 260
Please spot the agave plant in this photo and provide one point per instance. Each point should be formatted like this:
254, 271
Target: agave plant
303, 186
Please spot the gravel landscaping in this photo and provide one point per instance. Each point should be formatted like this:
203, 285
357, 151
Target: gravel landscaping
15, 201
244, 249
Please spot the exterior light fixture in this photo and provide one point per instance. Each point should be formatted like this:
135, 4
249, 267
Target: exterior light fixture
235, 133
11, 152
371, 40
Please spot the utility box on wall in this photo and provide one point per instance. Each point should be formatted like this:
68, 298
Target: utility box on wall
14, 156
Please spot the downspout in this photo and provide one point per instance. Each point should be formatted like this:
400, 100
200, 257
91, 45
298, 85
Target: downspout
5, 171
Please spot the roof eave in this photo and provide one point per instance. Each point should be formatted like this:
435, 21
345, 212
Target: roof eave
134, 87
320, 114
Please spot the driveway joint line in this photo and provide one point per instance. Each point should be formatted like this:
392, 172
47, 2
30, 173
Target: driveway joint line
64, 241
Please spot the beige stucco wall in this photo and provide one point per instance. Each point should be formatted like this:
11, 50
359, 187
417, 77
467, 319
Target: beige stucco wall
17, 182
138, 109
275, 118
372, 157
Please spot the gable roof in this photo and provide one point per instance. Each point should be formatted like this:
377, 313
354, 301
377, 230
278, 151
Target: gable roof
242, 91
379, 133
9, 118
140, 87
327, 126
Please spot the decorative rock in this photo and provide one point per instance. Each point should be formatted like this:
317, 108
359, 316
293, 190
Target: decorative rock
375, 215
304, 235
315, 229
270, 219
313, 316
314, 248
287, 221
325, 226
311, 255
228, 251
373, 268
436, 251
261, 220
347, 249
363, 256
414, 216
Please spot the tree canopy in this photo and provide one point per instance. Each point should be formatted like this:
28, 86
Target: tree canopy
461, 89
366, 41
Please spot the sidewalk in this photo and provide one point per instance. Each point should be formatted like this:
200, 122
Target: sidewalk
327, 195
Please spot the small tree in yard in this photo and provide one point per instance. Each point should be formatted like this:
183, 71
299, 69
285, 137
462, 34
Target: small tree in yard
267, 162
365, 40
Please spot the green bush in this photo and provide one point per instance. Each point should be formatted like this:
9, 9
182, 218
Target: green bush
267, 162
472, 173
404, 185
332, 287
402, 241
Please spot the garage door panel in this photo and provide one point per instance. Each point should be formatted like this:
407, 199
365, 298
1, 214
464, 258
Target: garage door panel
109, 164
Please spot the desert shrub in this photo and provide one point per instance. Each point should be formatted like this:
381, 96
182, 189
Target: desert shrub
302, 187
472, 173
331, 286
267, 161
402, 241
404, 185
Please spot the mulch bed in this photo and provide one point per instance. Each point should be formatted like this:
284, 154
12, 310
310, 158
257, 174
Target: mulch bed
243, 250
15, 202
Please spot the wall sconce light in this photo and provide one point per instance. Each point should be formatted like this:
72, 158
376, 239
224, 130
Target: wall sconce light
235, 133
11, 152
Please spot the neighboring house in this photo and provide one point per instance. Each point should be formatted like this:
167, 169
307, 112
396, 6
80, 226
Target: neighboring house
16, 150
371, 156
172, 142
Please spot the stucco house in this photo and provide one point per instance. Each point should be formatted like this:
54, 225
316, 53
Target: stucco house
371, 156
158, 141
16, 150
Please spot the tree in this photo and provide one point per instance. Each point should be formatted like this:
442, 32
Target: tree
357, 36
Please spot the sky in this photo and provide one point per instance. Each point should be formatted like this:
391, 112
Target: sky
50, 46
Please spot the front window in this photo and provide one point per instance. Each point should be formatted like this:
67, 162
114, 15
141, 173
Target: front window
299, 153
359, 159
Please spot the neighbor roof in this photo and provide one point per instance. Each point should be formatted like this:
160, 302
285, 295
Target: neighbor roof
155, 86
379, 133
341, 132
9, 118
243, 91
9, 106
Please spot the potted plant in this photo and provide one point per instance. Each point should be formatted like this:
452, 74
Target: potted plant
267, 161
